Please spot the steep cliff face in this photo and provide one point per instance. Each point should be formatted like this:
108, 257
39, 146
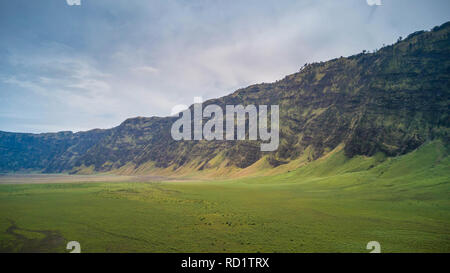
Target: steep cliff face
55, 152
389, 101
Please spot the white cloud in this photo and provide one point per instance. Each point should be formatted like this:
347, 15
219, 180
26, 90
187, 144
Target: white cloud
145, 70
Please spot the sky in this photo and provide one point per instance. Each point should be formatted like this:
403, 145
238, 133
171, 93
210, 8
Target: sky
78, 67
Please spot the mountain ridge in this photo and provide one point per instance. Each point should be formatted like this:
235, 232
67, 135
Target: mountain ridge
390, 101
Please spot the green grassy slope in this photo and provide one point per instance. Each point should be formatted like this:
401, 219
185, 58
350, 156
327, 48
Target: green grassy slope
334, 204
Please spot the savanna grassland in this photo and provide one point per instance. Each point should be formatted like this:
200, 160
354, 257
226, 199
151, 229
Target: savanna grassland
334, 204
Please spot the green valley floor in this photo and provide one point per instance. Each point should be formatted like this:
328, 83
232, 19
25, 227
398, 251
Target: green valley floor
335, 204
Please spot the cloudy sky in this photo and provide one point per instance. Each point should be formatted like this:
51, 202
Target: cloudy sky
92, 66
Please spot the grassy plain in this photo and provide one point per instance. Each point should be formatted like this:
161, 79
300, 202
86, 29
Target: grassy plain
334, 204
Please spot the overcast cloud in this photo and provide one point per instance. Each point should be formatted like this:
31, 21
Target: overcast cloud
94, 65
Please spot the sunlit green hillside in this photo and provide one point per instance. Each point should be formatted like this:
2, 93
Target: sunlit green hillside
334, 204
